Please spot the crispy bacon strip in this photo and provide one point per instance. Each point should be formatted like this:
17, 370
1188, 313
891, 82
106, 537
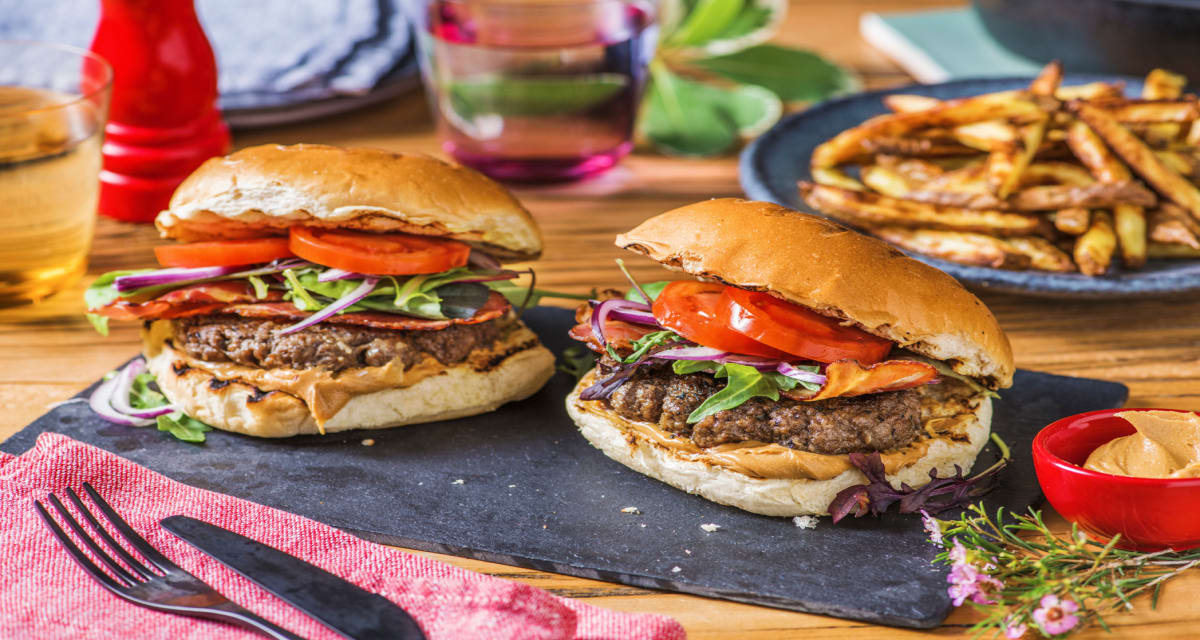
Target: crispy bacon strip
186, 301
848, 378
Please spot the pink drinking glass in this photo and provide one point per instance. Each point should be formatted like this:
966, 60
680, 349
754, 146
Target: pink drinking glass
535, 90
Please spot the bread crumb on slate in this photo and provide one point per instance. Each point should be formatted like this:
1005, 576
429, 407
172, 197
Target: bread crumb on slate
806, 522
675, 569
710, 527
459, 481
688, 551
633, 510
642, 525
369, 442
512, 486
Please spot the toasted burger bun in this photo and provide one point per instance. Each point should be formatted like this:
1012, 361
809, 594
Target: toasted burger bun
268, 188
613, 435
834, 271
219, 395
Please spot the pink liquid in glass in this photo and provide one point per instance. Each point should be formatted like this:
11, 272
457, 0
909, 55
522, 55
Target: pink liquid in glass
536, 93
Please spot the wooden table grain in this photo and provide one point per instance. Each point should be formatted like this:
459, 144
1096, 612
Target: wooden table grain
49, 352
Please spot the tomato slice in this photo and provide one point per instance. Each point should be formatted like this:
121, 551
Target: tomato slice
378, 253
690, 308
222, 253
797, 330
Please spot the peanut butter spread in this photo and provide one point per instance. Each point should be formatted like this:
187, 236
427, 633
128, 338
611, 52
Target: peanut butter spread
1166, 445
942, 418
324, 391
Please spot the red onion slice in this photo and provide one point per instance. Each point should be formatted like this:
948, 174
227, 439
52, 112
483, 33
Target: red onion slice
331, 274
601, 309
797, 373
181, 276
120, 394
692, 353
358, 293
483, 260
634, 316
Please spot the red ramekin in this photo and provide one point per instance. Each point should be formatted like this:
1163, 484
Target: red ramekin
1149, 513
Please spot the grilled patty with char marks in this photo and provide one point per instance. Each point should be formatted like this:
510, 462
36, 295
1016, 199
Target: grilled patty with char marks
256, 343
874, 422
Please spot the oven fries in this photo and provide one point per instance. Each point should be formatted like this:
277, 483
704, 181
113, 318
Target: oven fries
1055, 178
862, 208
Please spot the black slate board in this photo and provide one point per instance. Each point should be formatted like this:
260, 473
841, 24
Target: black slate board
535, 494
771, 165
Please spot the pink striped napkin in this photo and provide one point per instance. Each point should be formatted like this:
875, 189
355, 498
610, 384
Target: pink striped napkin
43, 594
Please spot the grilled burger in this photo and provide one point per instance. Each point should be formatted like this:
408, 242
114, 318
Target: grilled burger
321, 289
800, 343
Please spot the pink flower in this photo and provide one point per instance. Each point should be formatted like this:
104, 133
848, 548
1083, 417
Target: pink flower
967, 581
933, 527
1014, 629
1056, 616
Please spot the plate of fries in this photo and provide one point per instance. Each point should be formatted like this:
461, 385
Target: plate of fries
1070, 187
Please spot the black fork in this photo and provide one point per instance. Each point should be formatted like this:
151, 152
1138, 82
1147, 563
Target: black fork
162, 586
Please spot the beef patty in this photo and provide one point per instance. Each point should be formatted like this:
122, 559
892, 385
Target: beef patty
874, 422
255, 343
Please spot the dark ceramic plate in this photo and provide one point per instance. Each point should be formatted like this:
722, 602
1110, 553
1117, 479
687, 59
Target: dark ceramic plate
771, 165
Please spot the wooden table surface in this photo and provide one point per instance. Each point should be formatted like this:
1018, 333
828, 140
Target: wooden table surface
48, 351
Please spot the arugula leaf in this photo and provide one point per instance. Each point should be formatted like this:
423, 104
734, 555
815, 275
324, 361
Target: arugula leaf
260, 286
102, 292
461, 299
743, 383
644, 344
684, 367
183, 427
141, 396
515, 293
652, 289
576, 361
792, 74
299, 294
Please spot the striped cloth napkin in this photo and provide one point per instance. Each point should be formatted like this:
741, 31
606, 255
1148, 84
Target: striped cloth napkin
44, 595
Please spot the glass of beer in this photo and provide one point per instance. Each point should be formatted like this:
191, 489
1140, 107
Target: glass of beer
53, 105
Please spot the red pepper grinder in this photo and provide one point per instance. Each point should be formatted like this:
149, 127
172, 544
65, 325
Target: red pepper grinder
164, 120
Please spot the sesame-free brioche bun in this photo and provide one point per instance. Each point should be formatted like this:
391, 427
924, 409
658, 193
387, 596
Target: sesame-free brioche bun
268, 188
625, 442
235, 398
834, 271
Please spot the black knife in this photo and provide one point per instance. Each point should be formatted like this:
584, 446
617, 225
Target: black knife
353, 612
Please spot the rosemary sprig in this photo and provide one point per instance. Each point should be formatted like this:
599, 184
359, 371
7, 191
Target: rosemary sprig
1024, 577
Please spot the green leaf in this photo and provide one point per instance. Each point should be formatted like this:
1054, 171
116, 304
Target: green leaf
684, 367
792, 74
743, 383
462, 299
260, 286
685, 117
183, 427
491, 93
516, 293
644, 344
752, 18
652, 289
944, 369
142, 396
101, 293
706, 20
576, 361
300, 297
